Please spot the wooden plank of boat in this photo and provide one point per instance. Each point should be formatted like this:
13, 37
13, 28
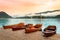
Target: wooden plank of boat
30, 30
51, 27
17, 28
48, 33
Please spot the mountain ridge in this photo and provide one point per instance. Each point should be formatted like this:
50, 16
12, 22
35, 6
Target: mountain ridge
4, 15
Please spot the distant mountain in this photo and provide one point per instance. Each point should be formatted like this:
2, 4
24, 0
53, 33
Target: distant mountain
4, 15
23, 17
58, 16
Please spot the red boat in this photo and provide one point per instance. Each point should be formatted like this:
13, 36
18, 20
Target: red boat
30, 28
8, 26
38, 26
20, 25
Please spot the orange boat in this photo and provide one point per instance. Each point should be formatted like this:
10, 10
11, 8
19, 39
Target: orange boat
49, 31
30, 28
18, 27
14, 26
8, 26
38, 26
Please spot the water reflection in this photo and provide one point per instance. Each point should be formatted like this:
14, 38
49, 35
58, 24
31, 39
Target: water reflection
45, 22
3, 21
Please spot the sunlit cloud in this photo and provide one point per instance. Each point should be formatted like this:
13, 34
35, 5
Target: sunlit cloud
22, 7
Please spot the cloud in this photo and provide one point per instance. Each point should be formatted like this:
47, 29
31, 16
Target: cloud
16, 7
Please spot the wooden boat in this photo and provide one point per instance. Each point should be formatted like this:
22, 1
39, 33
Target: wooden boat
38, 26
17, 28
49, 31
30, 28
20, 25
8, 26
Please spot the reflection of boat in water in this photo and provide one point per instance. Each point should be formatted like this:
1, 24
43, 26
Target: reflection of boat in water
49, 31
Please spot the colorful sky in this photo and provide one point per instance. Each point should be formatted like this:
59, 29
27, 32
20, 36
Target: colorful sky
22, 7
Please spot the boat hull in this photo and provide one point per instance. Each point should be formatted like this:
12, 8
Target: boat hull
49, 31
30, 28
48, 34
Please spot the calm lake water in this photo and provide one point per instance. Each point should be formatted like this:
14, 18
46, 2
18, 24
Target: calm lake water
45, 22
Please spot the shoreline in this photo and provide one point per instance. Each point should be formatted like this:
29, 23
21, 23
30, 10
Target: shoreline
8, 34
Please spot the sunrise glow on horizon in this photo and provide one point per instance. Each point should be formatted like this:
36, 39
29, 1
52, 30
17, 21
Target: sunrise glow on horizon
22, 7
